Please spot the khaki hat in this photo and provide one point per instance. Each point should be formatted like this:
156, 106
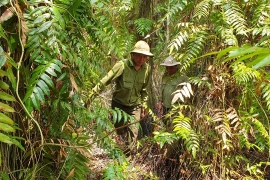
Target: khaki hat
169, 61
142, 47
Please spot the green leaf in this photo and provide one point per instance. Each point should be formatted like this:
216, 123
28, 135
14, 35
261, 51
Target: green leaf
32, 47
6, 97
45, 26
35, 101
44, 87
39, 94
5, 107
4, 86
33, 31
6, 128
29, 92
56, 67
38, 11
11, 77
4, 2
262, 63
4, 138
28, 104
17, 143
73, 8
41, 18
4, 176
31, 41
224, 51
47, 79
2, 73
35, 55
2, 60
6, 119
51, 71
58, 17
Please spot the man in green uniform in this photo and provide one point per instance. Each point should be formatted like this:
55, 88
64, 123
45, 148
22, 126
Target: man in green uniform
171, 78
131, 78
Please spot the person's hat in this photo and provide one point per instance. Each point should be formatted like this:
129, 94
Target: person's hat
170, 61
143, 48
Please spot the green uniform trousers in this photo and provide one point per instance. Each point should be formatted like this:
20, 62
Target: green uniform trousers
130, 133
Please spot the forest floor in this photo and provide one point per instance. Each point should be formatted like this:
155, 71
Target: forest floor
99, 161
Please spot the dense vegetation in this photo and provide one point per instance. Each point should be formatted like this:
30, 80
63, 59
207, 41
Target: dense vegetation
53, 52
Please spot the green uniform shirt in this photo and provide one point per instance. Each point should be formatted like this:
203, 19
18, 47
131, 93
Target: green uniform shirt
130, 89
169, 85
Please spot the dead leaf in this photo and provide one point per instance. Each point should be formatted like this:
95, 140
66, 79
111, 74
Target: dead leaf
73, 83
71, 173
6, 15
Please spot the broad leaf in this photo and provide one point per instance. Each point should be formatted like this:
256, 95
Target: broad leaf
44, 26
35, 101
262, 63
4, 85
5, 107
5, 119
6, 128
4, 138
11, 78
39, 94
6, 97
44, 87
17, 143
47, 79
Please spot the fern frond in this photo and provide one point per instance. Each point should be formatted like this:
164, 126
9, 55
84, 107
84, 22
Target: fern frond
185, 91
162, 138
176, 6
200, 82
186, 32
202, 10
229, 37
233, 118
7, 124
195, 48
223, 128
179, 41
143, 26
183, 128
266, 93
40, 82
262, 135
244, 74
234, 17
261, 15
119, 114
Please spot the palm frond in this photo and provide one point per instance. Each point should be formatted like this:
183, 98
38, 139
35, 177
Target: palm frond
234, 17
262, 135
184, 91
202, 10
261, 15
195, 47
229, 37
223, 128
265, 86
7, 124
200, 82
183, 128
244, 74
40, 82
143, 26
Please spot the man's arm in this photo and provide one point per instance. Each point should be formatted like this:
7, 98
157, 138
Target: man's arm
114, 73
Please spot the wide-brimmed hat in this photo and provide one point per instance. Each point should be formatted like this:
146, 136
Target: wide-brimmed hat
169, 61
142, 47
